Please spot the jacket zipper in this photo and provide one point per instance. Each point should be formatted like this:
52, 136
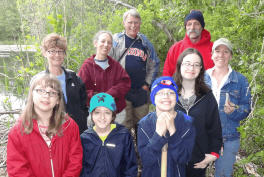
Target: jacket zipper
178, 171
51, 162
187, 110
50, 154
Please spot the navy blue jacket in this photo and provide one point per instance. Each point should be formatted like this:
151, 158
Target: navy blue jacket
208, 126
115, 157
180, 145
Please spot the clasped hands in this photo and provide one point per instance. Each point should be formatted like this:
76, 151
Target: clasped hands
165, 122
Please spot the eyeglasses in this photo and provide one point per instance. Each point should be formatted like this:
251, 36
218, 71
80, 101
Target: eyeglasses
166, 94
44, 92
54, 52
194, 65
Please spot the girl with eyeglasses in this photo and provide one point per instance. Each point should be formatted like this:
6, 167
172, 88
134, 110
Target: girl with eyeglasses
54, 48
197, 101
165, 130
44, 141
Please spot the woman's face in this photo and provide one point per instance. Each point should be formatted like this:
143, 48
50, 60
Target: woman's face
45, 99
102, 118
221, 56
55, 56
191, 66
103, 45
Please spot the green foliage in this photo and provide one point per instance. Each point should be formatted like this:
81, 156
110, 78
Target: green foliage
242, 22
9, 22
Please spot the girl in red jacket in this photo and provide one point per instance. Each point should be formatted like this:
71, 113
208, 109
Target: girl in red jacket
44, 141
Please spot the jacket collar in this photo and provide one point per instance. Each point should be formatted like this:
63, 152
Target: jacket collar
232, 75
119, 129
67, 75
139, 36
205, 38
65, 124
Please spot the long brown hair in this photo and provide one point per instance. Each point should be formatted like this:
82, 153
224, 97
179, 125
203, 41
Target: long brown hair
200, 86
58, 115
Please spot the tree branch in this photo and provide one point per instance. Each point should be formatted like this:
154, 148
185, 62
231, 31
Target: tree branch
18, 111
122, 4
163, 27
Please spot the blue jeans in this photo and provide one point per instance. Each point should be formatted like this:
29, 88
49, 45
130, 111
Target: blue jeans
224, 165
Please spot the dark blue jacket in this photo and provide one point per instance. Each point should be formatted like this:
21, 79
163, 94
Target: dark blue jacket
180, 145
115, 157
208, 126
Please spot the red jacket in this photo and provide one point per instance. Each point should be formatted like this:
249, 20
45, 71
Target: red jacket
114, 80
28, 155
204, 46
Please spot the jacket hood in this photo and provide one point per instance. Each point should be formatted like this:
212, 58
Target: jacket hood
205, 39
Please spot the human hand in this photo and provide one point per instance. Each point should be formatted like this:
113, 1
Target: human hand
229, 107
169, 118
208, 159
222, 151
145, 87
161, 127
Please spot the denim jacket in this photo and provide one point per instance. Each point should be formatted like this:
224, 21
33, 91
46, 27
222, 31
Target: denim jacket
153, 61
239, 93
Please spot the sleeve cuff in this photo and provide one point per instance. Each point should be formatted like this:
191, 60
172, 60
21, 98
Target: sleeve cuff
215, 154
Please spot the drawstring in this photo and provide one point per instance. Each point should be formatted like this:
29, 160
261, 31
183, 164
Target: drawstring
94, 75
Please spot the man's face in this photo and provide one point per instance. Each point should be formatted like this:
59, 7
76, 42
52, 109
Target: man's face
132, 26
194, 29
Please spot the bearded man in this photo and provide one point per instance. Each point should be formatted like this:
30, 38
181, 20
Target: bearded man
196, 37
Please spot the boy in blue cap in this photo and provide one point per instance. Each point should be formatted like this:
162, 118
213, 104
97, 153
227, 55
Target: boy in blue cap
165, 126
108, 148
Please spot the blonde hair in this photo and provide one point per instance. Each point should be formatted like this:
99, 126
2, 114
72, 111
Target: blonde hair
53, 40
99, 33
58, 114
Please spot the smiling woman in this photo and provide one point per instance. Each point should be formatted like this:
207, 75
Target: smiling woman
231, 90
101, 73
197, 100
54, 49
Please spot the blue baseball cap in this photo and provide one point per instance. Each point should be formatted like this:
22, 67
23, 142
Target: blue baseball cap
102, 99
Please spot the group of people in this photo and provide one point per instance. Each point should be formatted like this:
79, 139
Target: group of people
199, 102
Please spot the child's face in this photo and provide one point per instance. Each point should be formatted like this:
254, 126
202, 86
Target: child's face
102, 117
165, 100
44, 99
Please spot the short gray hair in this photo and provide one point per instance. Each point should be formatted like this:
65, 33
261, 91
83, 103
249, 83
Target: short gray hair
133, 13
98, 34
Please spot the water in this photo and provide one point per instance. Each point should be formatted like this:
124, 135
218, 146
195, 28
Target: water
12, 57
